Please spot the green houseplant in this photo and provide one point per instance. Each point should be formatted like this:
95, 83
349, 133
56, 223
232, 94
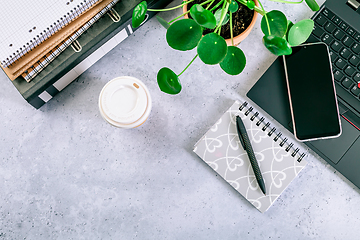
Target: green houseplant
182, 34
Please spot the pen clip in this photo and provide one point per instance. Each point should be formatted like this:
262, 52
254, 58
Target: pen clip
238, 124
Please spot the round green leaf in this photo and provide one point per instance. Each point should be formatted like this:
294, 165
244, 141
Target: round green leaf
234, 61
250, 4
184, 34
203, 17
300, 32
312, 5
164, 23
290, 24
168, 81
218, 17
233, 7
277, 23
139, 13
276, 45
212, 48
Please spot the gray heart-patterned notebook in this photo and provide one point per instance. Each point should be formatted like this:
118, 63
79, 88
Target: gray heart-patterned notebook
279, 160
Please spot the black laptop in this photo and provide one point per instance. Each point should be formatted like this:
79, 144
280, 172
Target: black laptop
337, 24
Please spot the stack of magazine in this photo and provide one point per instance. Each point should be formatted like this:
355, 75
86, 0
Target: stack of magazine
55, 41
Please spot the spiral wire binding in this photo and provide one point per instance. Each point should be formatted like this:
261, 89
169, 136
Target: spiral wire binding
266, 126
277, 136
295, 152
289, 147
49, 31
243, 105
254, 116
283, 142
272, 131
249, 111
260, 121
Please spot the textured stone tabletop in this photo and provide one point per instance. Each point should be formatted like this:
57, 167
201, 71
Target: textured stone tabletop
67, 174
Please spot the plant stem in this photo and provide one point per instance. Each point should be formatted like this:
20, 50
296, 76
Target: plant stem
256, 8
224, 10
210, 4
187, 10
188, 64
266, 18
206, 2
231, 30
179, 16
169, 9
216, 6
281, 1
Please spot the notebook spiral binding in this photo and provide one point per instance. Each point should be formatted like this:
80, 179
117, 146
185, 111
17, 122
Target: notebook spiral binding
49, 31
289, 146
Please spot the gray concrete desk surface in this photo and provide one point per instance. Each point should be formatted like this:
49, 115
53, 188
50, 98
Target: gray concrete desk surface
67, 174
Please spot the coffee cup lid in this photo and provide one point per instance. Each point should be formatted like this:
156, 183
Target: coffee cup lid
123, 101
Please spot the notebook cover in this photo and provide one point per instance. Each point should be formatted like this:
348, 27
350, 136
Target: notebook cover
103, 30
29, 59
280, 161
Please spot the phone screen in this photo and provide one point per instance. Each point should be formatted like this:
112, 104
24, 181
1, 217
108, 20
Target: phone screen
312, 92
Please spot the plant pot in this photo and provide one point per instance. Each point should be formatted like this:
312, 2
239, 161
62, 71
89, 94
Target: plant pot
239, 38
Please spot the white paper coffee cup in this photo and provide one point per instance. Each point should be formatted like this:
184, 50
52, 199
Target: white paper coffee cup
125, 102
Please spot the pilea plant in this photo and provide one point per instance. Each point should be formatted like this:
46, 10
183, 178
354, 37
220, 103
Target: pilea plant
182, 34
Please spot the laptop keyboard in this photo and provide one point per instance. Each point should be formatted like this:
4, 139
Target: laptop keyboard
344, 46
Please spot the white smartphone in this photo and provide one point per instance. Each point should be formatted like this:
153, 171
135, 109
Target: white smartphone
311, 90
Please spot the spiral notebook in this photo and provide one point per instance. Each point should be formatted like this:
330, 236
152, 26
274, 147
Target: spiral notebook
280, 161
41, 63
26, 24
32, 63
